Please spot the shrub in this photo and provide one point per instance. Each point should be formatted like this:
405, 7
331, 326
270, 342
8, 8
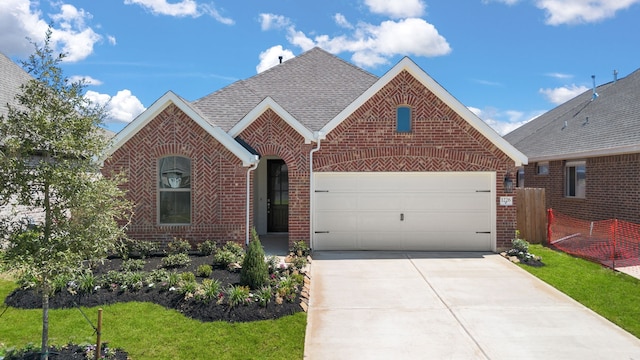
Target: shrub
210, 290
159, 275
188, 276
87, 282
300, 248
60, 282
273, 263
136, 248
287, 288
132, 265
207, 248
188, 288
176, 260
235, 248
179, 246
204, 271
263, 295
238, 295
224, 257
133, 281
254, 272
298, 262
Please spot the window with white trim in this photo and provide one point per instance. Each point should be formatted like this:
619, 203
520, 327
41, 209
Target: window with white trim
174, 190
520, 182
575, 179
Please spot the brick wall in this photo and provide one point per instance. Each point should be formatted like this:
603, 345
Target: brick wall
217, 214
612, 188
366, 141
440, 140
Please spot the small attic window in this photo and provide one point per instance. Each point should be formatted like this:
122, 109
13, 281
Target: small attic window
403, 119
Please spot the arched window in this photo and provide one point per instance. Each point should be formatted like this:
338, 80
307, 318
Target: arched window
403, 118
174, 190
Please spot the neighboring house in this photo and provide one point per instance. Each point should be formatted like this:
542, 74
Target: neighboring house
325, 152
586, 152
12, 77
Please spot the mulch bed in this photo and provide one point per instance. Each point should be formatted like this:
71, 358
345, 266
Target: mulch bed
30, 299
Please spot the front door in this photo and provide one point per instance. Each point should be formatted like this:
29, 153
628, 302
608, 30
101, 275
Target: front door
277, 196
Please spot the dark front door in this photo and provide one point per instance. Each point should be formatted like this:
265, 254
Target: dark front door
277, 196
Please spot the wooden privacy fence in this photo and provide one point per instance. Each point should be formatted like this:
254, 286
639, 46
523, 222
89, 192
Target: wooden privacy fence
531, 214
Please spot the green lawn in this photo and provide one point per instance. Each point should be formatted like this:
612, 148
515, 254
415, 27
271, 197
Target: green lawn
614, 295
149, 331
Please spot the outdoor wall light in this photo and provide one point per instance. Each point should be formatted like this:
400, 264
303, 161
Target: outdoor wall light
508, 183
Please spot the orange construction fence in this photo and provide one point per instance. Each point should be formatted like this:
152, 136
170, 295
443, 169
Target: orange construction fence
613, 243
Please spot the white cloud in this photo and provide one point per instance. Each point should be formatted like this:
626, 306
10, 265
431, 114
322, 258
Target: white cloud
503, 122
88, 80
273, 21
342, 21
560, 76
373, 45
580, 11
121, 108
111, 39
269, 58
70, 34
182, 8
563, 94
397, 8
506, 2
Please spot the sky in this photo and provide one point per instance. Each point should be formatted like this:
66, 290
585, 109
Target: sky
506, 60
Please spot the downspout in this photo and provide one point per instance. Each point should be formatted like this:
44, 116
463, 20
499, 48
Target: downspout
248, 205
319, 136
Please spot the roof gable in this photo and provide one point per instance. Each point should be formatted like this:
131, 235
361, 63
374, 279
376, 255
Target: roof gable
312, 88
263, 106
411, 67
162, 103
586, 126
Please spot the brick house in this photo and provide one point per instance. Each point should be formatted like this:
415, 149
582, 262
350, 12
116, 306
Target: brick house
321, 151
585, 153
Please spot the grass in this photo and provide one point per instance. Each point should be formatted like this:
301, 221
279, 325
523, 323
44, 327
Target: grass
614, 295
149, 331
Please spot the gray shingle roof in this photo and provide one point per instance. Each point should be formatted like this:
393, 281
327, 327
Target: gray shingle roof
603, 125
313, 87
11, 77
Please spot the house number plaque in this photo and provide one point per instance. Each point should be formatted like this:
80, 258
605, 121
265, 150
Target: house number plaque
506, 200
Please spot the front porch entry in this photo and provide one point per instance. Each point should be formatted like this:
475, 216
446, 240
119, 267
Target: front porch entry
271, 200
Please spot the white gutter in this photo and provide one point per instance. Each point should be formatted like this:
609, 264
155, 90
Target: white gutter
248, 204
319, 136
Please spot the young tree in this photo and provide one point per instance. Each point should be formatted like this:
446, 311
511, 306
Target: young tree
254, 272
50, 146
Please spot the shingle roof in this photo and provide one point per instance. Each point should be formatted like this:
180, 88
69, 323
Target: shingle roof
313, 87
607, 124
11, 77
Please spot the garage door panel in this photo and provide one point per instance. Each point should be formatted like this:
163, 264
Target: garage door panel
404, 211
336, 201
338, 221
371, 201
443, 202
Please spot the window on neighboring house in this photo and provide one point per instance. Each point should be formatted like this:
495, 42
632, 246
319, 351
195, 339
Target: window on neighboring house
576, 179
403, 119
174, 190
520, 177
542, 168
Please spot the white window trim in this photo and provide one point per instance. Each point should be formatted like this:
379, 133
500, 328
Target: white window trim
574, 164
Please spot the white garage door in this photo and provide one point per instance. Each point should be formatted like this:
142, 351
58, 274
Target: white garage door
445, 211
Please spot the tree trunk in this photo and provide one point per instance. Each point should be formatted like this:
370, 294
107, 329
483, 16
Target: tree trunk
44, 350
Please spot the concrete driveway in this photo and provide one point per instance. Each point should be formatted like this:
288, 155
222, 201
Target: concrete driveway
397, 305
